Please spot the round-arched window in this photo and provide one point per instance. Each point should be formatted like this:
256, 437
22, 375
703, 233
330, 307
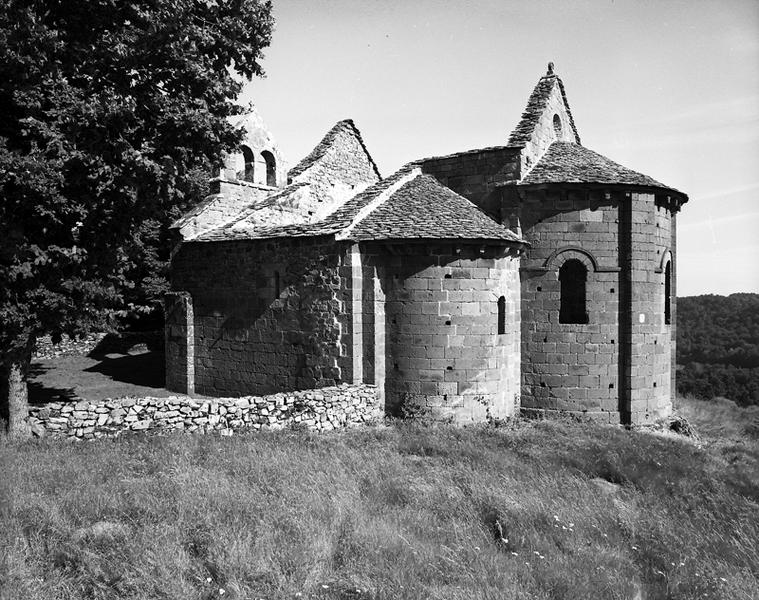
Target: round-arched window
271, 168
247, 173
557, 125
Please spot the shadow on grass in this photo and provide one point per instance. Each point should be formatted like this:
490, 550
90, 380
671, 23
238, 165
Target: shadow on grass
146, 369
122, 372
39, 393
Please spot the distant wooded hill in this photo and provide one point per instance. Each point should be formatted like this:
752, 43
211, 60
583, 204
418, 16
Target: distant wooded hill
718, 347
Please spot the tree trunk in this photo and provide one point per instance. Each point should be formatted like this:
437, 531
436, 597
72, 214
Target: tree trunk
14, 399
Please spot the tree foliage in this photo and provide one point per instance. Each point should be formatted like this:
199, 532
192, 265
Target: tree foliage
718, 347
111, 111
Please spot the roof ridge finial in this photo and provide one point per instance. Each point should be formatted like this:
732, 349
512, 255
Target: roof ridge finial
550, 69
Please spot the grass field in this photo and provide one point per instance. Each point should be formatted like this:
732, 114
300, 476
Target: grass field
397, 511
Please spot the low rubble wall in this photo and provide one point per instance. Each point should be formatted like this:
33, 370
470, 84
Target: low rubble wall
95, 344
317, 410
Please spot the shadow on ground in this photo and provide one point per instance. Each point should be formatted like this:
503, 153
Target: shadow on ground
143, 370
114, 369
42, 393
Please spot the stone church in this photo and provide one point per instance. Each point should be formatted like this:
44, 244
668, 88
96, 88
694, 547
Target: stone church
537, 276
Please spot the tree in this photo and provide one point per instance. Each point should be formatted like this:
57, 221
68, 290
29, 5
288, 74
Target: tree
110, 110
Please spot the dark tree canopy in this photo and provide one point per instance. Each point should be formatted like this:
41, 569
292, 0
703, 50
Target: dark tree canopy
718, 347
112, 111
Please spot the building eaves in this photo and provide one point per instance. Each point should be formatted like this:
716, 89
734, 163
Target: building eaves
565, 162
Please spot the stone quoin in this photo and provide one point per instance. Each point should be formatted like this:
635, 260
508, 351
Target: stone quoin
537, 276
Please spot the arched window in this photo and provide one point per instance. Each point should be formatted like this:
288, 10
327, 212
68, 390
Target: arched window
573, 277
250, 159
668, 293
271, 168
501, 315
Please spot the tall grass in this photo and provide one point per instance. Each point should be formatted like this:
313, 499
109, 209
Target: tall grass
401, 511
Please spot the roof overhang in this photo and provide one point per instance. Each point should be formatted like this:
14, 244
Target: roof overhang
677, 197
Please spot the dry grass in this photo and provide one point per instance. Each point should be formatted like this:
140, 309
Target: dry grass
391, 512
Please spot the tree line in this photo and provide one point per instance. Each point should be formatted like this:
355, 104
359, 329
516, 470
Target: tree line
718, 347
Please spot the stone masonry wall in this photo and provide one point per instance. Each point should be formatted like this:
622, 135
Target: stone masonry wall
647, 365
445, 357
477, 174
618, 366
268, 314
317, 410
567, 366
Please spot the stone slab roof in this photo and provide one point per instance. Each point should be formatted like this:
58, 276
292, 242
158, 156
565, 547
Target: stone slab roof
423, 208
406, 205
565, 162
321, 148
334, 223
535, 106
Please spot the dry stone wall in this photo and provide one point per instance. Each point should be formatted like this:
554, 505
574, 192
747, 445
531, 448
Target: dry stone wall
316, 410
68, 346
100, 343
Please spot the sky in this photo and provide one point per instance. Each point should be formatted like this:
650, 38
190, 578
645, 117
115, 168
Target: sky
666, 88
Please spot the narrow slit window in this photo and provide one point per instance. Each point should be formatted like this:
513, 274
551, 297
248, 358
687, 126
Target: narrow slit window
276, 284
501, 315
668, 293
573, 277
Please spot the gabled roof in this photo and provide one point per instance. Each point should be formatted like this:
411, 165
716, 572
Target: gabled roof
327, 141
535, 107
406, 205
565, 162
335, 222
423, 208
